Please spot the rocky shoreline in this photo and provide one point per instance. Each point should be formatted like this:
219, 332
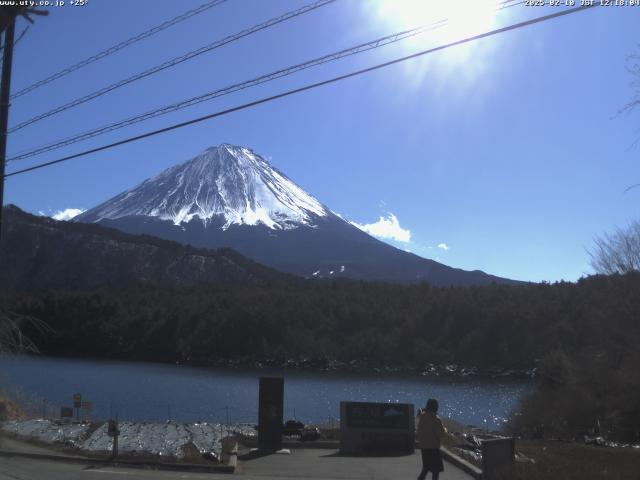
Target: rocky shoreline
168, 439
371, 367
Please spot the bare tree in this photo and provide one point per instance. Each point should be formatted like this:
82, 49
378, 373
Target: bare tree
618, 252
633, 67
12, 338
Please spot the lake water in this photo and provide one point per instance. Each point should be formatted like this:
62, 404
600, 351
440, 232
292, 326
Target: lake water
157, 392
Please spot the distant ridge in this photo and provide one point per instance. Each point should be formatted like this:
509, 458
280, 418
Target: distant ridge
40, 253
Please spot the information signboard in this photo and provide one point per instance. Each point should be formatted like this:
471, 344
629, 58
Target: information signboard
378, 415
66, 412
376, 427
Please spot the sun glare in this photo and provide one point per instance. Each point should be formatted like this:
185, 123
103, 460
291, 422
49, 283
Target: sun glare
462, 18
452, 20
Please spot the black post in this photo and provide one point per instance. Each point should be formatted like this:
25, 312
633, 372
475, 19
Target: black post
113, 431
270, 413
5, 87
114, 453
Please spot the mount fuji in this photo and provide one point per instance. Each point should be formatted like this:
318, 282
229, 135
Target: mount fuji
229, 196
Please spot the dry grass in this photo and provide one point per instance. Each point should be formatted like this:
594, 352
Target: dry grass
573, 461
9, 409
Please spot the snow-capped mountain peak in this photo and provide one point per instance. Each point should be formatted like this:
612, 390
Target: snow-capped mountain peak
230, 197
224, 182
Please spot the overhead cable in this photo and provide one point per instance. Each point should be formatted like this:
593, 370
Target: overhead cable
174, 61
396, 37
238, 86
305, 88
105, 53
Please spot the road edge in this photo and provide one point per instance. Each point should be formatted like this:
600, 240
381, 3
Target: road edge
186, 467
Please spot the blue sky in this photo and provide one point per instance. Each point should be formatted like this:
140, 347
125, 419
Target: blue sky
506, 155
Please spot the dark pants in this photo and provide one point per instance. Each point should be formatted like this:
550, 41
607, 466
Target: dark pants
431, 462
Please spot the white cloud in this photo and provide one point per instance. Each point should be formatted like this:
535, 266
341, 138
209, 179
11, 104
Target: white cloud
386, 228
66, 214
443, 246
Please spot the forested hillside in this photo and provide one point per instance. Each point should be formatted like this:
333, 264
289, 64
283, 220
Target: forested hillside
39, 253
382, 324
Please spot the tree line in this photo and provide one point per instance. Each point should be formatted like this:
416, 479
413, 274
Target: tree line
489, 326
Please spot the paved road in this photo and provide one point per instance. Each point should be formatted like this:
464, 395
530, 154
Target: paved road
27, 469
302, 463
327, 464
13, 445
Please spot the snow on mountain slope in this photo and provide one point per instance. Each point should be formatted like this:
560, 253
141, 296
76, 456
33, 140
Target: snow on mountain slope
228, 182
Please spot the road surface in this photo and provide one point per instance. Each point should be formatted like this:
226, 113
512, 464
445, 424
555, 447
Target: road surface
303, 463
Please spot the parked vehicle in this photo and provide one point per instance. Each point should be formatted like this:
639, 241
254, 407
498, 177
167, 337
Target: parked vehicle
310, 434
292, 427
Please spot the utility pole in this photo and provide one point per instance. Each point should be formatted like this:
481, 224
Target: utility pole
5, 86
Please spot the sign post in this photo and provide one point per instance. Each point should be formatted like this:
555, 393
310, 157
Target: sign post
86, 407
113, 431
77, 403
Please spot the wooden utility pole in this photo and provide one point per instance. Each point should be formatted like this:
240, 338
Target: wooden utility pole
5, 87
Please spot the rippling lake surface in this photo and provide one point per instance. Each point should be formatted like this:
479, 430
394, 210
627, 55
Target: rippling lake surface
157, 392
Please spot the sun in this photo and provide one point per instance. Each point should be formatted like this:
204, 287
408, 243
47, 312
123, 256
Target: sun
447, 21
457, 19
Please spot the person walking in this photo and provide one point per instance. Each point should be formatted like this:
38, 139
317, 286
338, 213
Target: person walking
430, 432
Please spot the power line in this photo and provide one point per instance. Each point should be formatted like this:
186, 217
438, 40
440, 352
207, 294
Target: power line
239, 86
227, 90
141, 36
233, 88
306, 87
174, 61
